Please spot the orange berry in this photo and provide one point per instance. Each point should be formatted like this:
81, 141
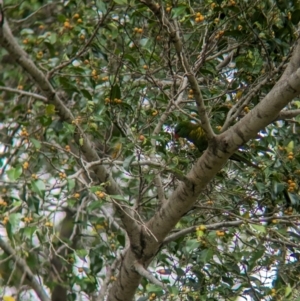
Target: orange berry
67, 25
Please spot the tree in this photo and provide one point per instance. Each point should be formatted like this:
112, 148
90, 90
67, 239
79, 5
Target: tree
91, 93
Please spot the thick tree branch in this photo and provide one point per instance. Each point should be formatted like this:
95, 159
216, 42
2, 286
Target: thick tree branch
143, 272
218, 152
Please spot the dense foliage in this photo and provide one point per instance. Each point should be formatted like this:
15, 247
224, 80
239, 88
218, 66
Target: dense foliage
121, 73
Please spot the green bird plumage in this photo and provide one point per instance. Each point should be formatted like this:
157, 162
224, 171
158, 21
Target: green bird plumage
192, 132
195, 134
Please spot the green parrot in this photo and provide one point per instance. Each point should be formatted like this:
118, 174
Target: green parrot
195, 134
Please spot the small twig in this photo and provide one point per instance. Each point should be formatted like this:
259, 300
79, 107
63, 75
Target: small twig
31, 15
21, 92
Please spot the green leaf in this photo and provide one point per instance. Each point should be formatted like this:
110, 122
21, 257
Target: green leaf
290, 146
45, 120
178, 11
206, 255
39, 187
115, 92
37, 144
9, 231
278, 187
50, 110
70, 184
288, 291
191, 245
68, 128
259, 228
121, 2
121, 240
86, 94
154, 288
14, 173
14, 224
128, 161
118, 197
33, 203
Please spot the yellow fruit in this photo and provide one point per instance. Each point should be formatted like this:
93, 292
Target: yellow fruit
67, 25
39, 55
8, 298
154, 113
202, 227
199, 18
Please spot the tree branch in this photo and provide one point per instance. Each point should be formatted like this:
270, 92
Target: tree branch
21, 57
21, 92
173, 33
143, 272
283, 115
21, 264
